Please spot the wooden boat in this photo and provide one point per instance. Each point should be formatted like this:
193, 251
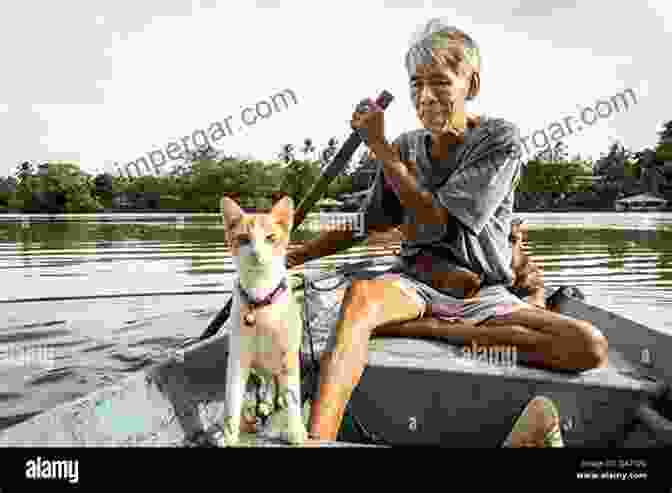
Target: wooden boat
414, 391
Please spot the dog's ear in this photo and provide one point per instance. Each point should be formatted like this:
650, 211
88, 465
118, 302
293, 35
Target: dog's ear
231, 213
283, 212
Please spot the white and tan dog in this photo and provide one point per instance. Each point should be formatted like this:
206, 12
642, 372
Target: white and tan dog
266, 328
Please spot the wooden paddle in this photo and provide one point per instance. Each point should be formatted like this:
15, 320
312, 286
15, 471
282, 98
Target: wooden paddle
335, 168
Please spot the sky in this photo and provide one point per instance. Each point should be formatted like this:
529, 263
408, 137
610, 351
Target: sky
99, 83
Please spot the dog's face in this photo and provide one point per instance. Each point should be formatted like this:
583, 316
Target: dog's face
258, 241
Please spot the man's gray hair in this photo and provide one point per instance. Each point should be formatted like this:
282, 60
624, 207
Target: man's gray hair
428, 36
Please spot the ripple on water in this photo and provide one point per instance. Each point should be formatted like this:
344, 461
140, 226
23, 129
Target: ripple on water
9, 396
140, 365
34, 325
7, 421
54, 375
76, 342
99, 347
126, 358
31, 336
160, 341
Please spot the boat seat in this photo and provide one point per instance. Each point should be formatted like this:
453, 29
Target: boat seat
420, 391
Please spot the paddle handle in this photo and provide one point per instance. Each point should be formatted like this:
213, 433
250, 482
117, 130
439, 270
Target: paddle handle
336, 167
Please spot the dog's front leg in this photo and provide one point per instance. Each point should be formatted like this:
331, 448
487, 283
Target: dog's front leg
237, 373
289, 389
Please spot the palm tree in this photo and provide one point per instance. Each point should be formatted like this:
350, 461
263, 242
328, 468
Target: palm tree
666, 133
332, 144
201, 153
559, 152
308, 147
24, 169
328, 152
8, 185
664, 147
287, 153
614, 158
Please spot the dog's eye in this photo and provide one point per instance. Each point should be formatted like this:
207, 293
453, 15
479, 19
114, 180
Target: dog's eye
271, 238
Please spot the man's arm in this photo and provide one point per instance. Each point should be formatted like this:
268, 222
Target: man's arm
528, 275
401, 176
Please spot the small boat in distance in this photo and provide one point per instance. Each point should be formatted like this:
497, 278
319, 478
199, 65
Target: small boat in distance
641, 202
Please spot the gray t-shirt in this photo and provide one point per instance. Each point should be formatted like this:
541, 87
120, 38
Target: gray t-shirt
475, 184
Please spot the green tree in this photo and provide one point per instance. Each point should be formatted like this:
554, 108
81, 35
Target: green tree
287, 153
330, 150
664, 147
308, 148
104, 188
299, 178
63, 188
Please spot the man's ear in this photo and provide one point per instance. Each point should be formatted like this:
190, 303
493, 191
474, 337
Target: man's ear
231, 213
283, 212
475, 85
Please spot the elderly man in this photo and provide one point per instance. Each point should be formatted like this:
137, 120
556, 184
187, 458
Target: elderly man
450, 188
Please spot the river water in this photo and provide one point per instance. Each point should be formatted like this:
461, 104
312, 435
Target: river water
75, 290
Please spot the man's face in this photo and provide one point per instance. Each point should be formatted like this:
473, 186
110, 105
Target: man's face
440, 93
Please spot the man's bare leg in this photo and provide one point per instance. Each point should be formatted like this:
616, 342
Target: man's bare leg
545, 338
565, 344
367, 304
381, 308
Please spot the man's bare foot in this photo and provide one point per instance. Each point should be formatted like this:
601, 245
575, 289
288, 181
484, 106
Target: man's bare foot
537, 426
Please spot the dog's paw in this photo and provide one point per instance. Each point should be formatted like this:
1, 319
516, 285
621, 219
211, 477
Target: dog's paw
227, 435
286, 428
296, 432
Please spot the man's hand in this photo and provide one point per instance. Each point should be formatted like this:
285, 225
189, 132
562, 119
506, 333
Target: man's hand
527, 274
295, 258
369, 120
